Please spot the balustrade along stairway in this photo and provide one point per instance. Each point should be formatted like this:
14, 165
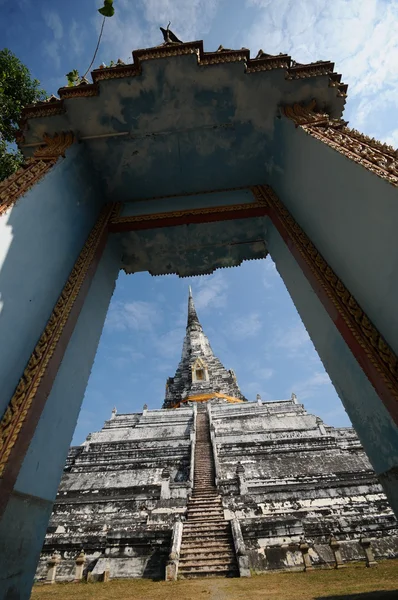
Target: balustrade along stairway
207, 547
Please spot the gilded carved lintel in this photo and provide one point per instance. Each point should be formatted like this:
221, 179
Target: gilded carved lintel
379, 158
365, 333
24, 395
116, 219
45, 157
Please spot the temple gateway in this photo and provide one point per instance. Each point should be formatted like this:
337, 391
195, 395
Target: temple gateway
212, 484
184, 161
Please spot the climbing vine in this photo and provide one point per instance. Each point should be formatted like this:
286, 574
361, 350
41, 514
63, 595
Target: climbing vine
106, 11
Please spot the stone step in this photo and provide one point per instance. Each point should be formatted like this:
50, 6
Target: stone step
213, 498
219, 525
195, 546
210, 551
204, 514
211, 562
191, 527
200, 560
186, 573
205, 510
205, 503
205, 555
205, 519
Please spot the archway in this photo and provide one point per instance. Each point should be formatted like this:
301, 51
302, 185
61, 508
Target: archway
317, 177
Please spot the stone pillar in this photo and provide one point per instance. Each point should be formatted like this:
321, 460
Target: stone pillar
294, 398
304, 548
240, 549
335, 547
321, 426
52, 564
240, 473
165, 485
366, 545
259, 401
144, 409
174, 556
114, 412
80, 562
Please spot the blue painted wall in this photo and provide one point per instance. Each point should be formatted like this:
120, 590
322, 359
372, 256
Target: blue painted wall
24, 523
40, 239
375, 428
351, 216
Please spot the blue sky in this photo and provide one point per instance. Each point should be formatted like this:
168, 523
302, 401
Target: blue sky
246, 312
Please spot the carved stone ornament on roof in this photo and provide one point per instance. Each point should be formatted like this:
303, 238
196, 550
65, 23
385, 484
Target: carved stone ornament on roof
375, 156
44, 158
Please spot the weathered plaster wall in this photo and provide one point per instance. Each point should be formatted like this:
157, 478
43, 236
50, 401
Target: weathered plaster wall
187, 127
40, 239
373, 424
24, 522
194, 249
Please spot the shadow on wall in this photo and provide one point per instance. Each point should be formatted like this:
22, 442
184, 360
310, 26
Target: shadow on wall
380, 595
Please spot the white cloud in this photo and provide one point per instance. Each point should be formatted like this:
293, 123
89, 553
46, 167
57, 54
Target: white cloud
359, 36
51, 50
169, 345
265, 373
294, 339
76, 38
53, 21
51, 47
392, 139
132, 315
246, 326
210, 291
270, 273
188, 19
307, 388
133, 29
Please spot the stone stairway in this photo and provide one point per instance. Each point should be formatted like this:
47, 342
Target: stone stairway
207, 547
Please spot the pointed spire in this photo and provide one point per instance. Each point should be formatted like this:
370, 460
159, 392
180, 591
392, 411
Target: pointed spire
192, 316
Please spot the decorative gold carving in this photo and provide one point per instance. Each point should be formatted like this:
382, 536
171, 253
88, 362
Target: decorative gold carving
207, 397
116, 219
43, 109
21, 402
82, 91
378, 158
371, 341
44, 158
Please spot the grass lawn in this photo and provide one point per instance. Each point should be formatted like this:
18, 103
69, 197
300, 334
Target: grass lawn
351, 583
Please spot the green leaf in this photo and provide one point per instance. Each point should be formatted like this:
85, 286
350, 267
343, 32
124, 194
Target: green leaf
72, 77
107, 10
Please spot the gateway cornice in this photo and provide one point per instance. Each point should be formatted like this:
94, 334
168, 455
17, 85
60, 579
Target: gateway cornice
292, 71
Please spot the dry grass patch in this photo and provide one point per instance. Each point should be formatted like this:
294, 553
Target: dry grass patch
352, 583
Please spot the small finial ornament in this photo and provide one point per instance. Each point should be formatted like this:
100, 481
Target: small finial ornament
169, 37
258, 398
114, 411
294, 398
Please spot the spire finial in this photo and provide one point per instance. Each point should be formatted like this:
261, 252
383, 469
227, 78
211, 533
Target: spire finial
192, 316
